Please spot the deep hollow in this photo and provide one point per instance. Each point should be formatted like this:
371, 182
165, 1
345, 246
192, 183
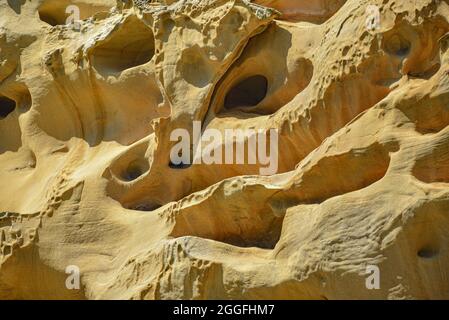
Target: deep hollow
248, 93
398, 45
130, 46
6, 107
427, 253
132, 172
54, 13
48, 19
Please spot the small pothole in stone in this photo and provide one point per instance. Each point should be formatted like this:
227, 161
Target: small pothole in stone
248, 93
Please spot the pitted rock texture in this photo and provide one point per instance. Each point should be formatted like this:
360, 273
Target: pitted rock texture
86, 112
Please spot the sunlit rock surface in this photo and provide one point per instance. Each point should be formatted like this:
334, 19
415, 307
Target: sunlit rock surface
361, 105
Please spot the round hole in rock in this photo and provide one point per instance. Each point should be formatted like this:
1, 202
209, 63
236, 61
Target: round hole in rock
427, 252
48, 19
398, 45
248, 93
6, 106
130, 46
134, 170
132, 173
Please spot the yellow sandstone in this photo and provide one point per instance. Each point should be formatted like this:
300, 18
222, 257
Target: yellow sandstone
91, 90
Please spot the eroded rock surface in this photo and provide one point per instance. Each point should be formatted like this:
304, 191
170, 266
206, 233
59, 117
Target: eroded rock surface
86, 113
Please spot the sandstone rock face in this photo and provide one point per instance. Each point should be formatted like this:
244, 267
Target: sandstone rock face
358, 91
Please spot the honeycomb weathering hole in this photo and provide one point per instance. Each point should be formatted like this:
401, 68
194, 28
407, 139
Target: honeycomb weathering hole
130, 167
248, 93
134, 171
130, 46
427, 252
49, 18
6, 107
398, 45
